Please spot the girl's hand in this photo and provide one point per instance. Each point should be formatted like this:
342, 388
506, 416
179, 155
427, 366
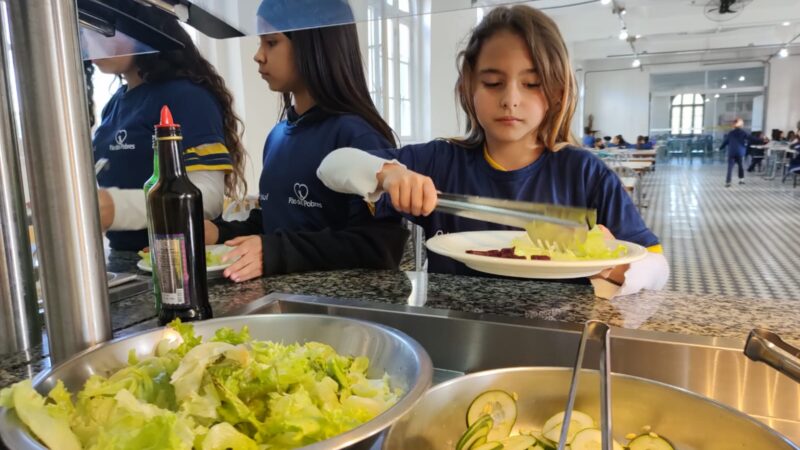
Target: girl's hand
250, 264
411, 193
211, 232
615, 274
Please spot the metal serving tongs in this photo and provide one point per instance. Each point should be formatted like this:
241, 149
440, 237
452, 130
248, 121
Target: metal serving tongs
562, 225
767, 347
598, 331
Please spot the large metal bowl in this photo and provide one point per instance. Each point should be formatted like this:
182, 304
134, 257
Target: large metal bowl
689, 421
388, 350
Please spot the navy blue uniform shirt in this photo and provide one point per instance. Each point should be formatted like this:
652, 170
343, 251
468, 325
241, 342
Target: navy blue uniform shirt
125, 138
736, 141
570, 177
290, 194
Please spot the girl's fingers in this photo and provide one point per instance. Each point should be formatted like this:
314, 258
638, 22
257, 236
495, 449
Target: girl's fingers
405, 194
417, 198
236, 241
241, 263
430, 197
394, 194
249, 272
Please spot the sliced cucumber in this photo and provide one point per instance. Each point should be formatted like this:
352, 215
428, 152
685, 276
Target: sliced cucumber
591, 439
501, 406
520, 442
578, 421
649, 442
488, 446
475, 433
543, 442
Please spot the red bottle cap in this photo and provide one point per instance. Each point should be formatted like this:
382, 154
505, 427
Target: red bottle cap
166, 118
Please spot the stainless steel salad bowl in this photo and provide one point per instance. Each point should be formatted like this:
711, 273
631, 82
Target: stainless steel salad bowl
388, 350
689, 421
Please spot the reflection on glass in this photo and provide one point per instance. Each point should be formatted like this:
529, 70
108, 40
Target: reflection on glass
97, 46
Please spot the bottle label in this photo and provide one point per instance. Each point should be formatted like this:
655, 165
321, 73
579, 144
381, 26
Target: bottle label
172, 272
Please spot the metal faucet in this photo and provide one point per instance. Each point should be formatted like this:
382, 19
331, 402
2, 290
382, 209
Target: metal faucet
767, 347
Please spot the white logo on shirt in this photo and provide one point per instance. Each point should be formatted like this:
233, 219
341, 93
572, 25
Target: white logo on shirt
120, 139
301, 192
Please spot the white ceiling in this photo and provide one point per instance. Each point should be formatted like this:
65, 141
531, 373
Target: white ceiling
667, 26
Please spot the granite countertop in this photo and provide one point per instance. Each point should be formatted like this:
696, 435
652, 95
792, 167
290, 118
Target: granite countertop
703, 315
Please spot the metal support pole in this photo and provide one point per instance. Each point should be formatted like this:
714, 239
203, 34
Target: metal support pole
20, 327
58, 149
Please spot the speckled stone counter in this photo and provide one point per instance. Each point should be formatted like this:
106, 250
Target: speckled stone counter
703, 315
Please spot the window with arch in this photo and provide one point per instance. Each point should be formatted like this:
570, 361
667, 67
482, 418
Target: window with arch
687, 114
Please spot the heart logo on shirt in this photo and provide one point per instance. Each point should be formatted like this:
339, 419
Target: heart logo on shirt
301, 191
121, 136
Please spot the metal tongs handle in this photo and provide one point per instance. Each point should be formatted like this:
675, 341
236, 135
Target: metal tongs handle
598, 331
502, 213
769, 348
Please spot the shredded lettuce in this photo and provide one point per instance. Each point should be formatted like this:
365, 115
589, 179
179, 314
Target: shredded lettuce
594, 247
229, 392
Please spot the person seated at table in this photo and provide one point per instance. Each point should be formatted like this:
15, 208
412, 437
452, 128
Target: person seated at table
607, 141
643, 143
756, 153
619, 141
791, 137
588, 137
599, 144
777, 135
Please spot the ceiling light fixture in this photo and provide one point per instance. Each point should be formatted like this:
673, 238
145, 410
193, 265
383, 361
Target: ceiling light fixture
741, 78
605, 2
623, 34
716, 95
638, 36
708, 99
783, 53
786, 24
623, 11
636, 63
724, 86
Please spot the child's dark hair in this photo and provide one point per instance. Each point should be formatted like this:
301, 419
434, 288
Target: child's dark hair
188, 63
551, 59
329, 62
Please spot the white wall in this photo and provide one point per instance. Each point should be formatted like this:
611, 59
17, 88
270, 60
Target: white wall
619, 101
783, 97
448, 36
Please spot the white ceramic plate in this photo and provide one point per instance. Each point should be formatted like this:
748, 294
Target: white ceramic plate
455, 245
217, 249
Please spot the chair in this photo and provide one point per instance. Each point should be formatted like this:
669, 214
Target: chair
676, 148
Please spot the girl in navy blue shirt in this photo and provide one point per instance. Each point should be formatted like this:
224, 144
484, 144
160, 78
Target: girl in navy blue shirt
301, 224
199, 101
519, 99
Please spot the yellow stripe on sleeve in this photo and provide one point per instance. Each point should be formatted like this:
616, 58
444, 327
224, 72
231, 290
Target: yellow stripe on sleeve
217, 148
199, 167
655, 249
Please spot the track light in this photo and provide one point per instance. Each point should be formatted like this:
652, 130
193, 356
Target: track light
741, 78
623, 34
636, 63
783, 53
716, 95
724, 86
605, 2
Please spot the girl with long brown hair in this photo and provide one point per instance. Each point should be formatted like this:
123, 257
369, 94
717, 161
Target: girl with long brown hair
200, 102
518, 90
300, 224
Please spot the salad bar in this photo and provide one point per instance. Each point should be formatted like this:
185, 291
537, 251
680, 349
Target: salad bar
491, 335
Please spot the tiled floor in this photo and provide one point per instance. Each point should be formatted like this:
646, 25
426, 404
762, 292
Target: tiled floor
741, 241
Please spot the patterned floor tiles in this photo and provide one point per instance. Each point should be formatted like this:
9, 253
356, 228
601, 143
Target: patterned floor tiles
741, 241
